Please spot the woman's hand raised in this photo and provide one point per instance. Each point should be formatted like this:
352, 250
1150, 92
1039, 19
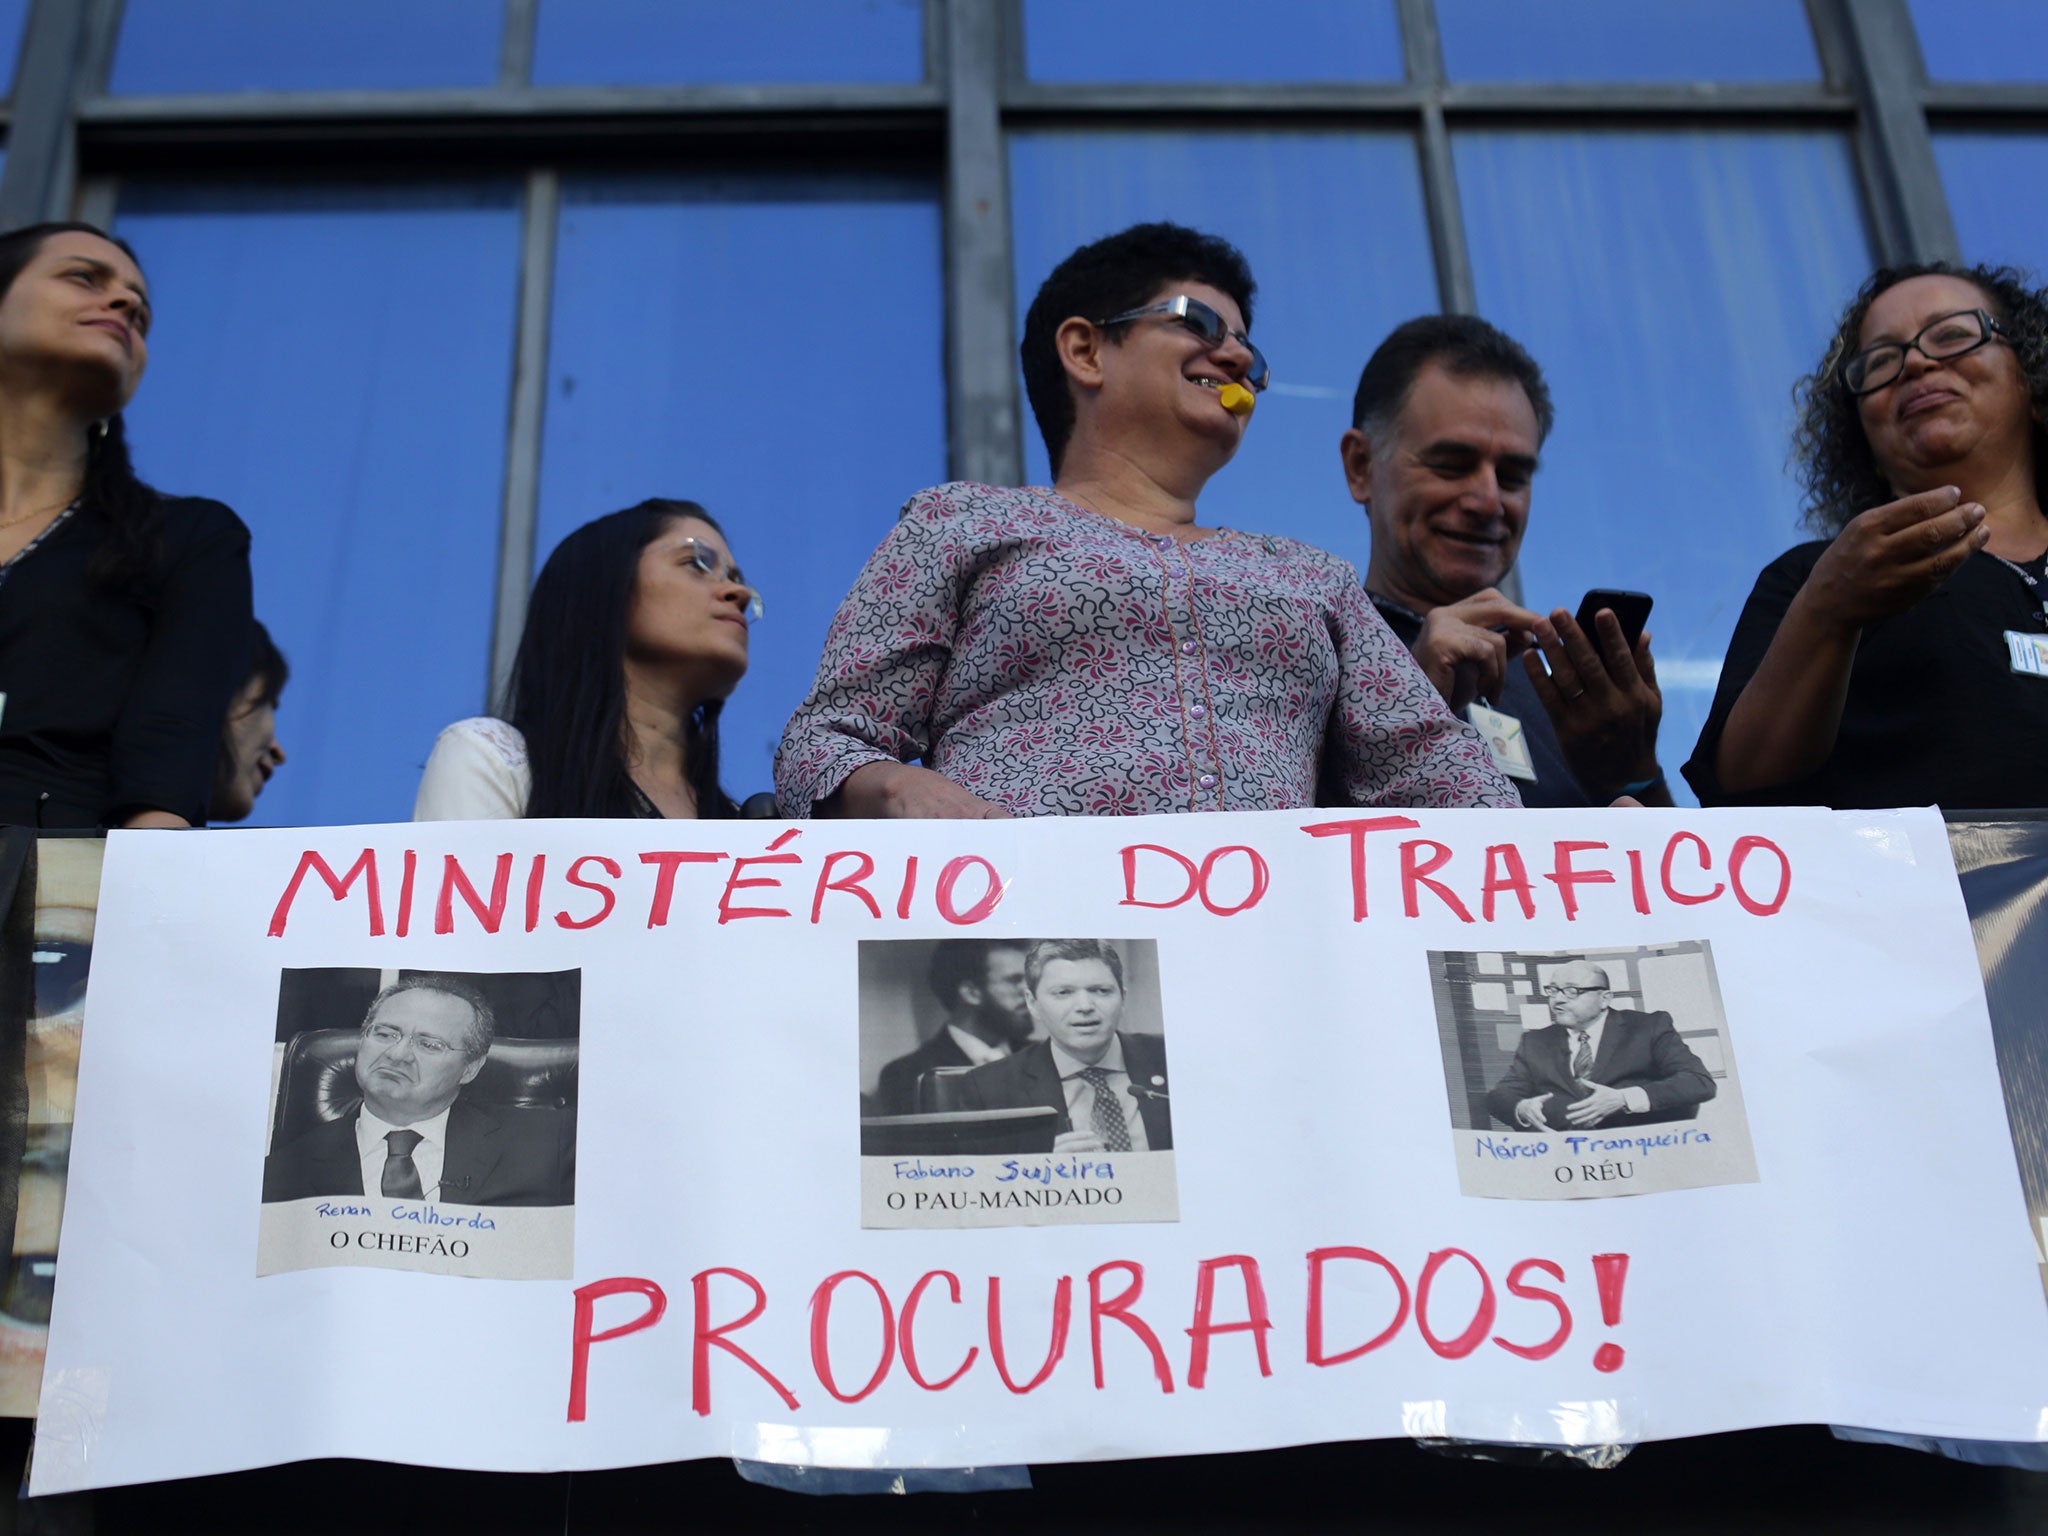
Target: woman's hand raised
1887, 559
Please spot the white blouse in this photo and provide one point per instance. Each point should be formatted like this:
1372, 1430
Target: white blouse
476, 772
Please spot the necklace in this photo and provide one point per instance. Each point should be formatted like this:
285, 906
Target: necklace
30, 516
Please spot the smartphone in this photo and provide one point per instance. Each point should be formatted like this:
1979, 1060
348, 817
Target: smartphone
1632, 608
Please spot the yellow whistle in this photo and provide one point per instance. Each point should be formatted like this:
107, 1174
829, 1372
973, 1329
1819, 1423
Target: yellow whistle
1237, 399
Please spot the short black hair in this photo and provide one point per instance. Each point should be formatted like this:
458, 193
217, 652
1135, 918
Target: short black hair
266, 666
1466, 346
1046, 951
958, 962
1114, 274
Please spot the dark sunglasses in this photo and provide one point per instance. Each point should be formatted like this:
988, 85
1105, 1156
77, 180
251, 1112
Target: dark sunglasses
1205, 323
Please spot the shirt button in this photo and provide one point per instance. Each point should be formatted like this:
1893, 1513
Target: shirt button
1207, 781
1163, 540
1187, 647
1196, 711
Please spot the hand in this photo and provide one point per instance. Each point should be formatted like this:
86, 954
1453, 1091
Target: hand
157, 821
1461, 650
1595, 1106
899, 790
1887, 559
1077, 1141
1529, 1112
1604, 704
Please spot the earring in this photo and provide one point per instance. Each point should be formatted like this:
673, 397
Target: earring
99, 429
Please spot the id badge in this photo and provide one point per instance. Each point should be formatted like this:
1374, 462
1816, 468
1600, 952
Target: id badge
1504, 738
2029, 652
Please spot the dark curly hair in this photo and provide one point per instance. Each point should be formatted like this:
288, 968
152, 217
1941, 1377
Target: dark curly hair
1829, 448
1114, 274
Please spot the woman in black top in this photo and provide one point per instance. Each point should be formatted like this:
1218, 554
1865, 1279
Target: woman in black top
1904, 659
124, 615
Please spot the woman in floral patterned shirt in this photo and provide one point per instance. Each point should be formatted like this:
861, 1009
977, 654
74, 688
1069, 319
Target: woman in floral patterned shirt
1090, 649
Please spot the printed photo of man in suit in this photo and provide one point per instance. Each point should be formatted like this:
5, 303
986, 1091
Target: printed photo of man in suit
980, 984
1107, 1085
412, 1137
1597, 1065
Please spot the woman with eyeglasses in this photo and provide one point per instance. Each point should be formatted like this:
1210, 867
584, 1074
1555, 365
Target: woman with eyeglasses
1903, 658
1089, 648
635, 636
124, 613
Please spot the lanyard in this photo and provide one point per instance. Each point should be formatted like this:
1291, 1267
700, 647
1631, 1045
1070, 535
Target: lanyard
2035, 584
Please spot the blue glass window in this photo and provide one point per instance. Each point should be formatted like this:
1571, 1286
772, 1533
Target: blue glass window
1981, 172
13, 16
1211, 40
1334, 228
657, 42
170, 46
1982, 39
336, 366
1673, 286
767, 345
1627, 40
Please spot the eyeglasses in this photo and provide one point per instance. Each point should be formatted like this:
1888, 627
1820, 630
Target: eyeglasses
1553, 989
702, 556
388, 1035
1205, 323
1950, 336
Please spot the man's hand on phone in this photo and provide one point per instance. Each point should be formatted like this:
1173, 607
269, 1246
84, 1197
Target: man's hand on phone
1603, 702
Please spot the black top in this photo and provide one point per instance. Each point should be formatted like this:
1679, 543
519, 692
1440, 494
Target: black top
116, 701
1935, 713
1555, 786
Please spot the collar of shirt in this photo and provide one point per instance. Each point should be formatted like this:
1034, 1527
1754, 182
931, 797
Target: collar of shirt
1112, 1060
974, 1048
428, 1156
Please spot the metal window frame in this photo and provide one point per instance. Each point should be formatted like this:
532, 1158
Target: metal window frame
70, 143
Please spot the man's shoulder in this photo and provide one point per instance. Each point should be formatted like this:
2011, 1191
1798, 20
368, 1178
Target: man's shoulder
1631, 1018
519, 1121
1024, 1062
322, 1136
1036, 1053
940, 1050
321, 1160
1150, 1049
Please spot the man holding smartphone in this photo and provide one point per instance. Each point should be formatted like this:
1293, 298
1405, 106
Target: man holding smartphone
1447, 423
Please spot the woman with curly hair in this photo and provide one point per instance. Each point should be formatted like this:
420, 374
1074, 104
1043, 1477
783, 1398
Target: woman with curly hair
1899, 660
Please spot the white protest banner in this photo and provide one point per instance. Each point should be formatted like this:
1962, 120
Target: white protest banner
1543, 1127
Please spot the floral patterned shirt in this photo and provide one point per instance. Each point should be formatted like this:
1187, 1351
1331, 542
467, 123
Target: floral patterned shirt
1060, 663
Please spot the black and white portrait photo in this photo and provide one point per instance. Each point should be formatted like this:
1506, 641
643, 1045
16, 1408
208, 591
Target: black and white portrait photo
1585, 1073
413, 1110
1010, 1080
